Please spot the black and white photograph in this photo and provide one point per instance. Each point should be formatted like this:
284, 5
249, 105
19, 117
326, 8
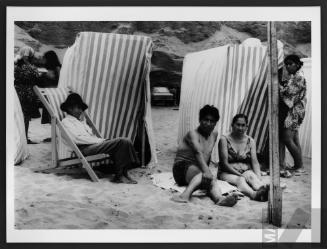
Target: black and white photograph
163, 124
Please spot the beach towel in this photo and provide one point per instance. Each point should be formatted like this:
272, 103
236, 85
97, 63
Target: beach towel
166, 180
111, 73
234, 79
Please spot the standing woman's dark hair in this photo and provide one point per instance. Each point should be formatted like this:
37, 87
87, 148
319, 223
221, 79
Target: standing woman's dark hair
294, 58
51, 60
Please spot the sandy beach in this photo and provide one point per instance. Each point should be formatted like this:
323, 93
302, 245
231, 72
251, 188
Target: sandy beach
70, 200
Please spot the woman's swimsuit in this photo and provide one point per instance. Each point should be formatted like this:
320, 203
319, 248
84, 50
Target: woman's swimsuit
242, 160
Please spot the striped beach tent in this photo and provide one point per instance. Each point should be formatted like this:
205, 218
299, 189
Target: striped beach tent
232, 78
21, 150
111, 73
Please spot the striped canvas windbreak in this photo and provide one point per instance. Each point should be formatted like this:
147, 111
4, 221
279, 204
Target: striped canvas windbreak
233, 79
305, 128
21, 150
55, 97
110, 72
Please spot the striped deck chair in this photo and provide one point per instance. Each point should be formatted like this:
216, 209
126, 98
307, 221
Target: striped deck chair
64, 151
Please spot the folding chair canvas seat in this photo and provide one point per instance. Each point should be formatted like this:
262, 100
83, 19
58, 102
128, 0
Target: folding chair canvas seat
65, 152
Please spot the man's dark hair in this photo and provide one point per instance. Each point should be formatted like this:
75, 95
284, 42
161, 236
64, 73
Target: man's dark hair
209, 110
240, 115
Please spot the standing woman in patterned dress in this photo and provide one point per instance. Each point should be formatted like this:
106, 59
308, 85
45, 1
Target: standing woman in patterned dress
26, 76
293, 95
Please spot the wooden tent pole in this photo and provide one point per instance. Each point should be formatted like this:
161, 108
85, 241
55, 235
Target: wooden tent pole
275, 196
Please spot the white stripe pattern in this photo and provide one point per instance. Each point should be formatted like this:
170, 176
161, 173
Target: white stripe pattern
21, 152
232, 78
55, 97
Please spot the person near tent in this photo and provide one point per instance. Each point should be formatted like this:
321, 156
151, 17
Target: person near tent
121, 150
191, 166
238, 163
25, 77
49, 78
292, 90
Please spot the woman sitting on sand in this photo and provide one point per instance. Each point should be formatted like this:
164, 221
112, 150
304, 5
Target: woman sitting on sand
238, 161
191, 166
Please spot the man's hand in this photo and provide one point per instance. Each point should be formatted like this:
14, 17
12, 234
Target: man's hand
207, 177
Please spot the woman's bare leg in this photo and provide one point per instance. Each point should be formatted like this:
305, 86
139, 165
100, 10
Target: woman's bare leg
253, 180
217, 197
298, 161
240, 183
290, 140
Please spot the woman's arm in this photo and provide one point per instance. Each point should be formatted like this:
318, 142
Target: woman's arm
254, 160
223, 157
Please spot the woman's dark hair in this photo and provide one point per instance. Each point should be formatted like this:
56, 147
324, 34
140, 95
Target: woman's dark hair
20, 62
240, 115
51, 60
294, 58
209, 110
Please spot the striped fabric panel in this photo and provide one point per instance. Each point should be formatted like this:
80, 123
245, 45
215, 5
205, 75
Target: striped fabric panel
255, 103
305, 128
55, 97
21, 152
226, 77
255, 106
110, 72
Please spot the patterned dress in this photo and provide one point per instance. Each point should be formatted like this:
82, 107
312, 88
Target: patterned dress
293, 95
26, 76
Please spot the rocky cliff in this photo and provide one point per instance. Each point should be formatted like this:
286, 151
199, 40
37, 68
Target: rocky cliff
172, 40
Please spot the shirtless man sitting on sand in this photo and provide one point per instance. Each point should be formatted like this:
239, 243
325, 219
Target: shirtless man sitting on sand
191, 166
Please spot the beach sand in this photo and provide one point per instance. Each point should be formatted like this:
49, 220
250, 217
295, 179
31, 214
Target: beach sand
71, 200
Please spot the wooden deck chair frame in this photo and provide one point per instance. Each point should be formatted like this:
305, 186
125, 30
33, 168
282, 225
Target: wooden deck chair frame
86, 161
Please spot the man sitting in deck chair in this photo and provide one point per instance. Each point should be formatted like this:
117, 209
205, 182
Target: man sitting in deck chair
121, 150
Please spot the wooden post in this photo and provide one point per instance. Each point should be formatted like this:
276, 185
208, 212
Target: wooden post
275, 195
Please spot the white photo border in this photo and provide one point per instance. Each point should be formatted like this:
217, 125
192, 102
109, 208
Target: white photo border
164, 14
